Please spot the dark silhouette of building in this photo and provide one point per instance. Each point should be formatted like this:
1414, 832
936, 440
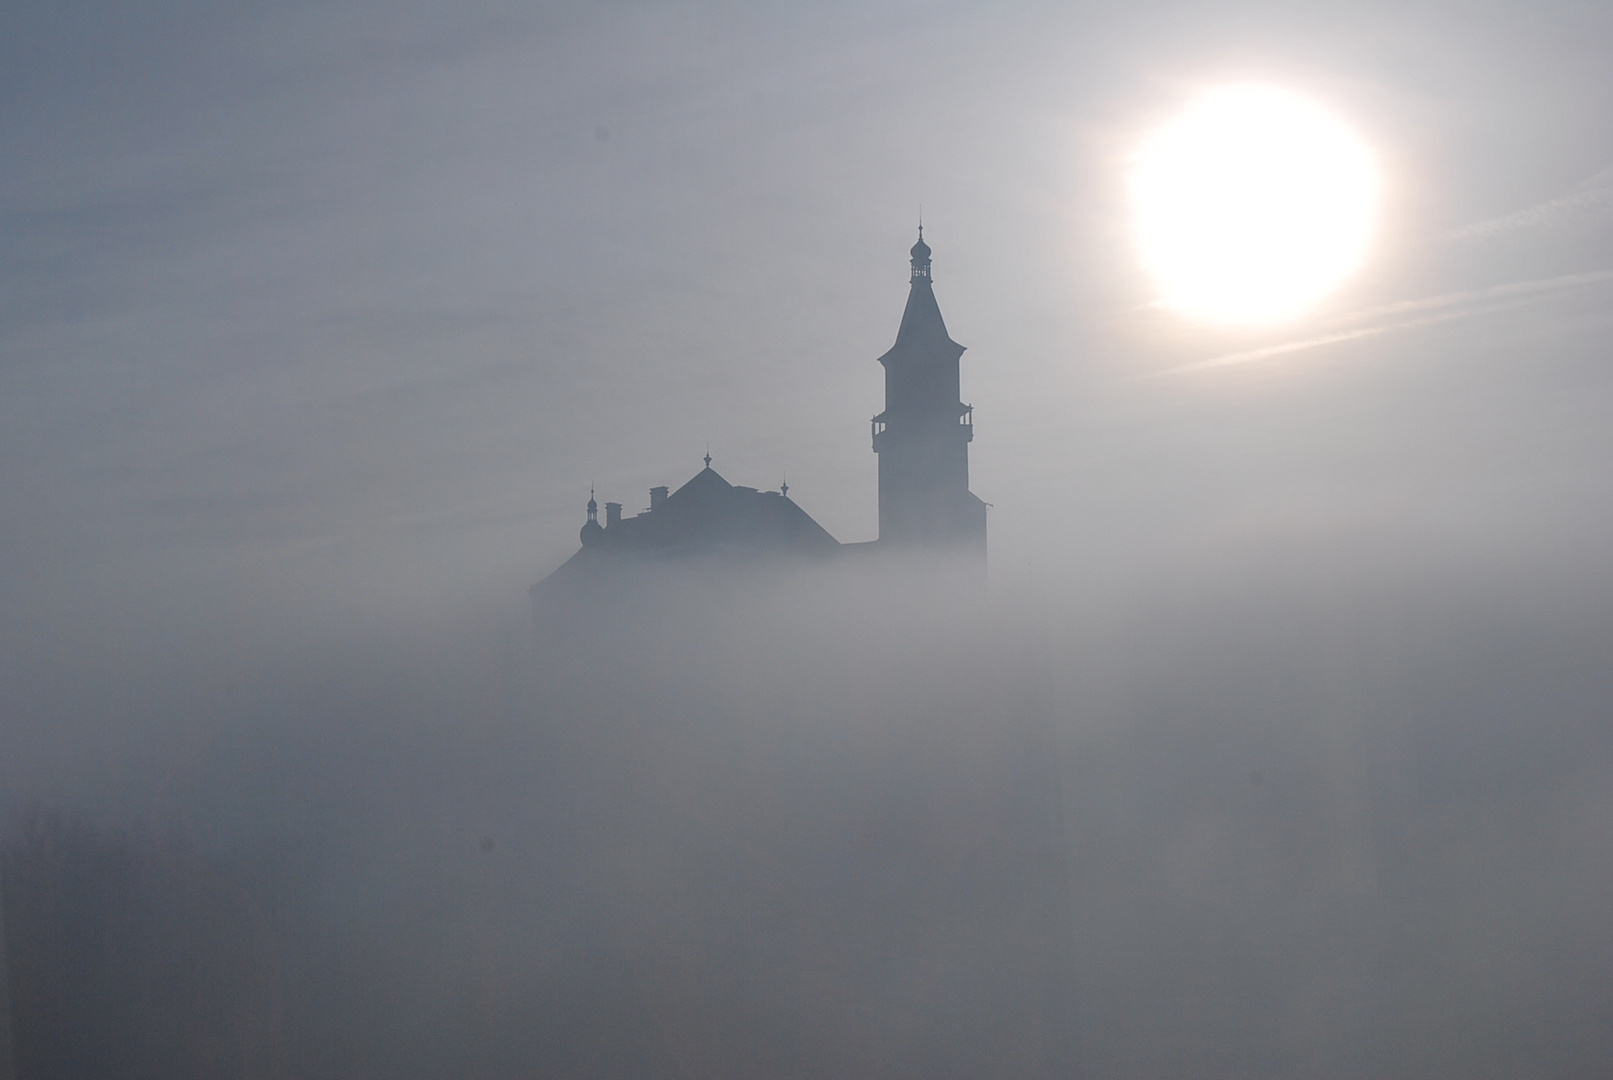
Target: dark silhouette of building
922, 439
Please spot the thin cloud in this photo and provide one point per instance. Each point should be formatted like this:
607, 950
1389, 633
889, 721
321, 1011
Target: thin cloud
1594, 196
1232, 359
1474, 296
1465, 305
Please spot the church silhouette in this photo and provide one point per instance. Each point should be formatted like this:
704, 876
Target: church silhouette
922, 440
814, 787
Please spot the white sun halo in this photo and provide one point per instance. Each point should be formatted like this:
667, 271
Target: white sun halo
1252, 204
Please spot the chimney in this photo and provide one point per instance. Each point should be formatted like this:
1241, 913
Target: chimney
613, 514
657, 498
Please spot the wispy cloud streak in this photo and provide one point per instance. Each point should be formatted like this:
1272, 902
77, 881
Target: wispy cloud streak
1595, 196
1439, 308
1475, 296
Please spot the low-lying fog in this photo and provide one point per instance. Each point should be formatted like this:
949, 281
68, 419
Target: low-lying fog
1280, 744
1255, 820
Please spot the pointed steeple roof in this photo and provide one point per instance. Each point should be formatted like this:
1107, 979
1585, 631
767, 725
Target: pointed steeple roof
923, 332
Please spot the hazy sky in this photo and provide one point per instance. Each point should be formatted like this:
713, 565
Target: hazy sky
318, 321
315, 305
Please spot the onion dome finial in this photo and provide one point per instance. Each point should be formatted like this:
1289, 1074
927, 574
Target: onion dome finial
921, 258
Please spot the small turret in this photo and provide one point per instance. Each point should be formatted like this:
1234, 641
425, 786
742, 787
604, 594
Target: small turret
592, 531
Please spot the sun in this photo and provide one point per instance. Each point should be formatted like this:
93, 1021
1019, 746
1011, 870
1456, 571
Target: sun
1252, 205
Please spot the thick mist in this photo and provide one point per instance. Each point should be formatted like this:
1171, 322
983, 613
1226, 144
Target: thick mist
1275, 743
1258, 818
722, 820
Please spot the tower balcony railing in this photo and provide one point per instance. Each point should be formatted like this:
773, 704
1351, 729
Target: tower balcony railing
966, 425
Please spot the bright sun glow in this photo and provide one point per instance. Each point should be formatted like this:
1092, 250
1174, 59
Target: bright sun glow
1252, 205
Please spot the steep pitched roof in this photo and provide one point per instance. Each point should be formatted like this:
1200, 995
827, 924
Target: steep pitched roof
923, 332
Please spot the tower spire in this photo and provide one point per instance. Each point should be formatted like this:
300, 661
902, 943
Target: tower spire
922, 438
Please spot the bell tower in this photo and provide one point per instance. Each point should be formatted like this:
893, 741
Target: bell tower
922, 438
